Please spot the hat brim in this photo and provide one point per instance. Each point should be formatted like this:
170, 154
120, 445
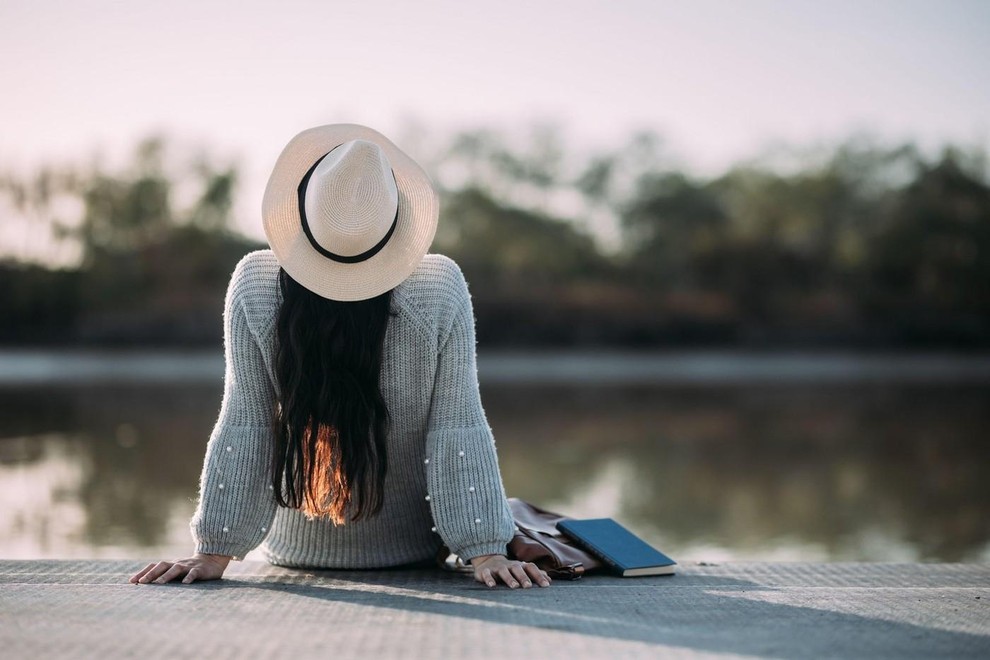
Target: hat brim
415, 227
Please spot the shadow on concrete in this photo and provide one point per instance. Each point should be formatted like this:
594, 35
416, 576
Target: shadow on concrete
704, 613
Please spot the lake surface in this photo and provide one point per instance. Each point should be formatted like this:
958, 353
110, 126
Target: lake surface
711, 456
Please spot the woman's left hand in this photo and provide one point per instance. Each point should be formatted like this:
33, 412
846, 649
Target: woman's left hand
489, 568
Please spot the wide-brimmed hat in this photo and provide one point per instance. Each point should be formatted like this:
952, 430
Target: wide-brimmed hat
347, 213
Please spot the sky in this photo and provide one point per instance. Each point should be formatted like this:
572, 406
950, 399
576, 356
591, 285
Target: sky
719, 80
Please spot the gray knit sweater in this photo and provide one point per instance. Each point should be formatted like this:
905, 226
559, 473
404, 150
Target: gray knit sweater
443, 483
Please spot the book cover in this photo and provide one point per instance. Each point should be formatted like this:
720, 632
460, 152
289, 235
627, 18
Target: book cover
617, 546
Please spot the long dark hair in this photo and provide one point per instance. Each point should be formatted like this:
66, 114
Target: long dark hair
330, 425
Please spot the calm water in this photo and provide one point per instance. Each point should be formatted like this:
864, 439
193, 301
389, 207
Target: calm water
740, 462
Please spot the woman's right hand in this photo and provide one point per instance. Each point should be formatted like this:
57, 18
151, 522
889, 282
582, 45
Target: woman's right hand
491, 568
200, 566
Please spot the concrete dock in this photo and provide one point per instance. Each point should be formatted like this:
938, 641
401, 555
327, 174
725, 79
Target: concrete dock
87, 609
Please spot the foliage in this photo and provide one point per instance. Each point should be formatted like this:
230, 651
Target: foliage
930, 256
148, 271
861, 244
37, 303
506, 246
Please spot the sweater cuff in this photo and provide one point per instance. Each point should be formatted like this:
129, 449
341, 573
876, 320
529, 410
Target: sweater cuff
217, 549
468, 553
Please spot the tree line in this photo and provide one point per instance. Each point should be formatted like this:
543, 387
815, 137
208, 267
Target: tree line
855, 245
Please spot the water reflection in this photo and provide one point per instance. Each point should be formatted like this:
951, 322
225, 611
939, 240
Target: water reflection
127, 459
830, 473
812, 472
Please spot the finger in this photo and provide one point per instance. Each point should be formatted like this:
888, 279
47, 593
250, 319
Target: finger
177, 570
137, 576
155, 571
538, 576
191, 576
484, 575
519, 572
507, 578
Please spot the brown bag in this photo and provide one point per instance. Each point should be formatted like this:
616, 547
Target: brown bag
537, 540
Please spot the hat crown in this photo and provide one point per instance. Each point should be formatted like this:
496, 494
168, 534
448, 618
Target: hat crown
356, 245
351, 198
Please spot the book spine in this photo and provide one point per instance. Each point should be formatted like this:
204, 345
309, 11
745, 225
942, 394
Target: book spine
596, 551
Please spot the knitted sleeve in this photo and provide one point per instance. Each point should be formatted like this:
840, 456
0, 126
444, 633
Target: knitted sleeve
466, 495
236, 504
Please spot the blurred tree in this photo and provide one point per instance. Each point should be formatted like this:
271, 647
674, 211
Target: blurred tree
211, 211
669, 224
535, 279
777, 242
525, 170
612, 177
148, 269
857, 243
595, 181
930, 258
125, 212
498, 245
46, 197
146, 263
37, 304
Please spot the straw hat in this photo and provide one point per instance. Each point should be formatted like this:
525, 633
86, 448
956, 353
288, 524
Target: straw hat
347, 213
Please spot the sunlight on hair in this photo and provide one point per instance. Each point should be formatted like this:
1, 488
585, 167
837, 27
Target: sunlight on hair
328, 493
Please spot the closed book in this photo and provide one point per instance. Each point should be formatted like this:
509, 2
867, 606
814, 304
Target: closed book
625, 552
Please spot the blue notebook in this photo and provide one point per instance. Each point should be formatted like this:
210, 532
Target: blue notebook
617, 546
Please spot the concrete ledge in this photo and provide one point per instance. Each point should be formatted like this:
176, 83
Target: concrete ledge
63, 609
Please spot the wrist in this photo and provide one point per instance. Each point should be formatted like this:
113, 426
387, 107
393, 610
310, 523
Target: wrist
480, 559
222, 560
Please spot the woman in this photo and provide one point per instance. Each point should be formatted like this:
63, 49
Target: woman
351, 433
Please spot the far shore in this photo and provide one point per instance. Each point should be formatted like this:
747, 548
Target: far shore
27, 367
